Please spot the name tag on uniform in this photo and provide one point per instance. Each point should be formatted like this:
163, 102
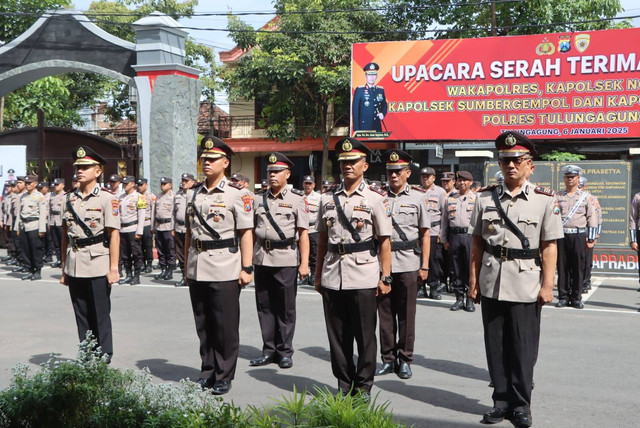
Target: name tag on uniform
361, 208
94, 209
283, 205
219, 205
330, 207
489, 209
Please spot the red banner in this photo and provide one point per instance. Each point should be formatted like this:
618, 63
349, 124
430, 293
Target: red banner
551, 86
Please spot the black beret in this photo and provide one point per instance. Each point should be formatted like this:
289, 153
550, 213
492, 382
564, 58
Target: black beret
465, 175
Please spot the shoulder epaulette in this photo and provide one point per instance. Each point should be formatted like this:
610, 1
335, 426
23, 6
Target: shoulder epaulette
378, 190
235, 185
298, 192
490, 187
419, 189
108, 190
69, 191
330, 189
544, 191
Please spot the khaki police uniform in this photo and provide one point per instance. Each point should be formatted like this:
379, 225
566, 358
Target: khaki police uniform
436, 197
582, 225
8, 220
588, 260
32, 221
179, 224
131, 224
312, 201
510, 279
397, 309
163, 225
56, 207
213, 268
350, 276
455, 231
148, 199
634, 223
15, 212
276, 266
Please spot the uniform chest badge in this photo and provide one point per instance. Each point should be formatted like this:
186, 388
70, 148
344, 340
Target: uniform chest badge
491, 228
387, 207
114, 206
247, 201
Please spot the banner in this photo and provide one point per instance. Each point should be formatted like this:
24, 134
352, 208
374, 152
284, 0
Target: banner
551, 86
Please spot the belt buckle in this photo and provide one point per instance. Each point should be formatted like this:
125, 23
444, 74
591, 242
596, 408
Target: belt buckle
267, 244
341, 248
504, 253
199, 245
75, 245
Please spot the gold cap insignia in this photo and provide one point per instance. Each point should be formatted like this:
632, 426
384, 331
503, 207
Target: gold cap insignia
208, 144
510, 140
372, 67
347, 146
393, 157
273, 158
81, 153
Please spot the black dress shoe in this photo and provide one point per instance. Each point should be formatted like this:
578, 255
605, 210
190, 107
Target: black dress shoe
21, 270
204, 383
459, 304
263, 361
27, 277
221, 387
521, 420
576, 304
469, 306
561, 303
285, 363
385, 369
404, 371
422, 292
494, 416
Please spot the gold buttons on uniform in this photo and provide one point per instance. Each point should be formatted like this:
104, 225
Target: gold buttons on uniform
491, 228
506, 240
511, 204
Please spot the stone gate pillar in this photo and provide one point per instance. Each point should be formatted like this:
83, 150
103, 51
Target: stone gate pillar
168, 100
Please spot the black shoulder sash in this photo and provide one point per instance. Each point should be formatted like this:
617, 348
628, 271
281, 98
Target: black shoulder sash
512, 227
267, 211
345, 221
204, 224
74, 214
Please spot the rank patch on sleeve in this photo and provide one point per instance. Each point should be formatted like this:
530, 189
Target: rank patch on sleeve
248, 202
114, 206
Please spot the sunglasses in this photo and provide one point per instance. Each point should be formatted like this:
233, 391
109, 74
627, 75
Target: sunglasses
517, 161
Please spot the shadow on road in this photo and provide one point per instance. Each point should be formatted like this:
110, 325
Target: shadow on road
452, 367
317, 352
434, 396
164, 370
247, 352
610, 305
39, 359
286, 382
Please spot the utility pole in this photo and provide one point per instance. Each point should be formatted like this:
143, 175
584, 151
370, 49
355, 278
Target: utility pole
494, 30
2, 114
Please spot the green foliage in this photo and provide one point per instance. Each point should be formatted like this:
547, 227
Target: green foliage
559, 156
470, 18
12, 26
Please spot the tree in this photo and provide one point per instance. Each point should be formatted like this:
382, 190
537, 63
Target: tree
301, 71
473, 18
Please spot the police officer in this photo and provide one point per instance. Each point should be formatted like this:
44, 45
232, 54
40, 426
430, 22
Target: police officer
31, 224
163, 226
8, 220
435, 196
43, 187
131, 228
219, 220
410, 246
90, 246
634, 226
179, 221
279, 214
351, 269
55, 219
456, 239
114, 185
369, 102
588, 261
312, 201
513, 256
240, 179
19, 190
326, 184
580, 225
448, 181
147, 200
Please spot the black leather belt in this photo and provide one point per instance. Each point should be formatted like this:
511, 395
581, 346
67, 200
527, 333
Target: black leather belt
163, 220
85, 242
55, 212
181, 222
131, 223
275, 244
435, 223
352, 248
213, 245
458, 230
505, 253
404, 245
27, 219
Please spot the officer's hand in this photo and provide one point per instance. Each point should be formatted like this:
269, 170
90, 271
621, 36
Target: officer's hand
63, 279
318, 286
303, 271
138, 237
113, 276
173, 233
446, 246
545, 296
244, 278
40, 234
591, 244
634, 246
380, 116
423, 275
474, 292
18, 232
383, 288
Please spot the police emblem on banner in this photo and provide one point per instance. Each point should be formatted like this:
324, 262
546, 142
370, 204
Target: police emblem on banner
564, 44
582, 42
545, 48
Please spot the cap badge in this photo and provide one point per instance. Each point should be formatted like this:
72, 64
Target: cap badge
208, 144
394, 157
372, 67
347, 146
273, 158
510, 140
81, 153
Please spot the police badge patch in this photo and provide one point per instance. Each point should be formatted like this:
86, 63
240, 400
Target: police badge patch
248, 202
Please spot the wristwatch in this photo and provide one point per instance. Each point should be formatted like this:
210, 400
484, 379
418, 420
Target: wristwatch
424, 268
248, 269
386, 280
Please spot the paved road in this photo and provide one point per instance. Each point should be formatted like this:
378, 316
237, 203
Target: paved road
586, 376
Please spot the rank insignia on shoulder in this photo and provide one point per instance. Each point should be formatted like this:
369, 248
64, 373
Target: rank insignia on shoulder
544, 191
419, 189
297, 192
235, 185
378, 190
490, 187
106, 189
